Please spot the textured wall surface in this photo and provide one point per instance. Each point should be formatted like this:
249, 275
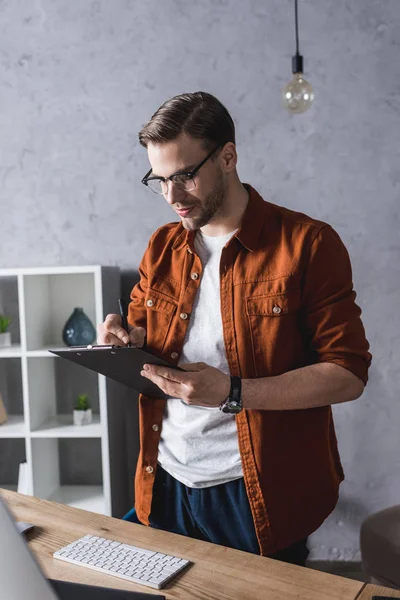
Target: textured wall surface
77, 81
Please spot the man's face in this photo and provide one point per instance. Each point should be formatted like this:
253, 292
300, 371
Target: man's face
198, 207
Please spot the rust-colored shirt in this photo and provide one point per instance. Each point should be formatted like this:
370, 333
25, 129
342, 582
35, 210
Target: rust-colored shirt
287, 301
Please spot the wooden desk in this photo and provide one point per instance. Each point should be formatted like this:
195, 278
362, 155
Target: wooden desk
218, 573
375, 590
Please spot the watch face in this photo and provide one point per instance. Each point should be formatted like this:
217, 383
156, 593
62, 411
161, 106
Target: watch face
231, 407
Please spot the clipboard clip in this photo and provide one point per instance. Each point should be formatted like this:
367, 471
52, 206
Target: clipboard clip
91, 347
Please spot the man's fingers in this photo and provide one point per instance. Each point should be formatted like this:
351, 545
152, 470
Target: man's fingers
109, 339
111, 332
166, 373
137, 335
193, 366
112, 324
166, 385
111, 321
119, 334
122, 335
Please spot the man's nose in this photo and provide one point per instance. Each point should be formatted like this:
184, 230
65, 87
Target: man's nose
173, 194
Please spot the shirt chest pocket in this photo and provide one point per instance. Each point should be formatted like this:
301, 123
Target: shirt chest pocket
160, 312
274, 332
268, 306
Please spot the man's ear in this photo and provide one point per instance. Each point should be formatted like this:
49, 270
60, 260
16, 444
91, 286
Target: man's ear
228, 157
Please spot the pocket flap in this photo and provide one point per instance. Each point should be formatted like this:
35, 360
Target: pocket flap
271, 306
158, 302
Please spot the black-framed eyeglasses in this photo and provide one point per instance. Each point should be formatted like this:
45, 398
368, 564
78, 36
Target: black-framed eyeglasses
183, 180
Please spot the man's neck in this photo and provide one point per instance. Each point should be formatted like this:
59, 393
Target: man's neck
229, 217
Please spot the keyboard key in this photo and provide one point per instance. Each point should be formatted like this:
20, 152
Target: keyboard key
135, 549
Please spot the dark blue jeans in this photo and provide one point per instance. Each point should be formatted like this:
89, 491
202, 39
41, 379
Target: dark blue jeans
219, 514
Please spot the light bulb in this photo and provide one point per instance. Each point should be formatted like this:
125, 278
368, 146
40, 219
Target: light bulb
298, 95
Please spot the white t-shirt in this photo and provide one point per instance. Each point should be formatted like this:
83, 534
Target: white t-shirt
199, 445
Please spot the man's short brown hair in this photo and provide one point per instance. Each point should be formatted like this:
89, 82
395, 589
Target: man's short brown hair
199, 115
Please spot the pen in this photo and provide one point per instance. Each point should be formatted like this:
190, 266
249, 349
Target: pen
123, 312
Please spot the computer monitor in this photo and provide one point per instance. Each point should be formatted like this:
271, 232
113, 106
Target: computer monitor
19, 572
21, 577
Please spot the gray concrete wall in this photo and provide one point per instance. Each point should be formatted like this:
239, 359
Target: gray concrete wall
77, 81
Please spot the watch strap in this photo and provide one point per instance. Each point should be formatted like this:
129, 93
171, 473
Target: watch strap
233, 404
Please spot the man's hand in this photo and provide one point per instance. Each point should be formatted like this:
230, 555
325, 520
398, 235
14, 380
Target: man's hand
111, 333
201, 385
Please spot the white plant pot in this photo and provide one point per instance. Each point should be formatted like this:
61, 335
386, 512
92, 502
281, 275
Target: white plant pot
5, 339
83, 417
88, 416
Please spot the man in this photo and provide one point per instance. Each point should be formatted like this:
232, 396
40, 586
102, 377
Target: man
256, 303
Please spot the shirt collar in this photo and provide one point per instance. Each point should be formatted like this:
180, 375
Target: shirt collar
249, 231
253, 220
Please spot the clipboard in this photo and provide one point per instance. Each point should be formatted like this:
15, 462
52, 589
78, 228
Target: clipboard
120, 363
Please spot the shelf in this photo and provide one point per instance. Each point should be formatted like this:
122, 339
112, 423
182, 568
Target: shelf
13, 351
62, 426
50, 300
44, 351
67, 463
77, 269
86, 497
14, 427
12, 454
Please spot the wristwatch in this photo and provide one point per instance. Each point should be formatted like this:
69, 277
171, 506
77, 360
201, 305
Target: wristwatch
233, 403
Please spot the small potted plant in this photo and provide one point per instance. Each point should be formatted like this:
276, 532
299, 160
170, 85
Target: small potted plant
82, 410
5, 336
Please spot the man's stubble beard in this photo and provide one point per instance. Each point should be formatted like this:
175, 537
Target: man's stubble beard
212, 204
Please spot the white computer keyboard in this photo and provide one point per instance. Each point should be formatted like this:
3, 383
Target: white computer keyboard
139, 565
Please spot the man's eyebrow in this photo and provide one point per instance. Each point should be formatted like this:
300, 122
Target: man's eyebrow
179, 172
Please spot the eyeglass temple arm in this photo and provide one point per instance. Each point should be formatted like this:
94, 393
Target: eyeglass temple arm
192, 172
146, 176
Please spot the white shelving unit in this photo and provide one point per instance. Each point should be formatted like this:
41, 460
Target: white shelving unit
66, 463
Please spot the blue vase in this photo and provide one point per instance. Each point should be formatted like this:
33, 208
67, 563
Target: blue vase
78, 330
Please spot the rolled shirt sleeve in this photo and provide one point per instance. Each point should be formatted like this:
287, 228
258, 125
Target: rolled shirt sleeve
332, 318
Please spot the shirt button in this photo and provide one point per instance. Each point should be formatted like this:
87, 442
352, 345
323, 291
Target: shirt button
174, 355
194, 276
277, 310
183, 316
149, 469
154, 428
149, 302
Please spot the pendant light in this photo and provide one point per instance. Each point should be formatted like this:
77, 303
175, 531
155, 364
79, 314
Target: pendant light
298, 94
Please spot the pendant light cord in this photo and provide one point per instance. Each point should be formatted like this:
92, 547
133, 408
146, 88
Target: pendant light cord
296, 18
297, 59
